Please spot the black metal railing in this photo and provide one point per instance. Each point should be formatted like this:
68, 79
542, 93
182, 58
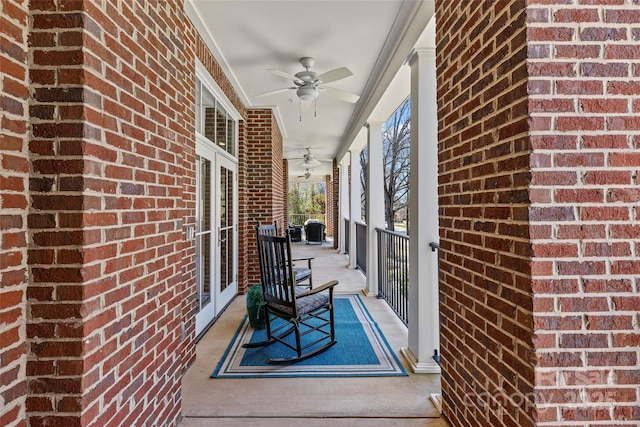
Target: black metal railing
347, 235
300, 219
393, 271
361, 246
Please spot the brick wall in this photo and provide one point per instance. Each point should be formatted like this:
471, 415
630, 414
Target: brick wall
486, 299
584, 66
265, 192
285, 190
335, 202
108, 328
278, 201
14, 169
246, 230
112, 184
328, 205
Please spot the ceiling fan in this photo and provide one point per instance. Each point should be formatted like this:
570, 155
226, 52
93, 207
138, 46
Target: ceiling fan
308, 161
309, 84
307, 174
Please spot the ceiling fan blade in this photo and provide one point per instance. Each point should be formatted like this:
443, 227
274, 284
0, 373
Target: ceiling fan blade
283, 74
333, 75
341, 94
273, 92
308, 165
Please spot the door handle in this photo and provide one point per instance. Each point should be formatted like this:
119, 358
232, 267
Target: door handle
220, 239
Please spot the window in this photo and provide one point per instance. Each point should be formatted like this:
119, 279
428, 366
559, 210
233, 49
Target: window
215, 121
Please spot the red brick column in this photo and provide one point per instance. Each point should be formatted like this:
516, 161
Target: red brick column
112, 157
335, 200
486, 299
584, 66
328, 185
265, 178
285, 190
246, 230
539, 201
14, 184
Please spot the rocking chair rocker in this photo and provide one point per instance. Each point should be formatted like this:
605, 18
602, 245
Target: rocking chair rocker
308, 314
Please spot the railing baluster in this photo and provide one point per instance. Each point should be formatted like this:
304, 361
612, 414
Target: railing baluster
361, 247
393, 271
347, 235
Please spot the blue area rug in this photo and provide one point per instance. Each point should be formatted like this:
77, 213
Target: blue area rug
361, 351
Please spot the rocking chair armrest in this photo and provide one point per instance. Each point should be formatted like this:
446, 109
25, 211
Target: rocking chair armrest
303, 259
328, 285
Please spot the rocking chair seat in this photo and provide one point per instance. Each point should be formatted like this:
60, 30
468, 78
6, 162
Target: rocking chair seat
305, 304
301, 274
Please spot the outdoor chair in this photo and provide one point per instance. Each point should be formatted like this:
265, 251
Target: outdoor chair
291, 309
296, 232
314, 232
302, 274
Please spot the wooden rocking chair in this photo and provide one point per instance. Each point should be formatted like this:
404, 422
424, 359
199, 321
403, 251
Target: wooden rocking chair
309, 314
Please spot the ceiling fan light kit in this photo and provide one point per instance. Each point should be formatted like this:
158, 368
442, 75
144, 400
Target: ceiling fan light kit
306, 93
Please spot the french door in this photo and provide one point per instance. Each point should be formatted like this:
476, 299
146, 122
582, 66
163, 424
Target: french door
216, 233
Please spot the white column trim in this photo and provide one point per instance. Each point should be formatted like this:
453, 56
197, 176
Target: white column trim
424, 326
343, 204
355, 205
375, 201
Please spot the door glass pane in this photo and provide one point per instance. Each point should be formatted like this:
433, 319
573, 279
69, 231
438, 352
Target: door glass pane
225, 260
231, 135
227, 242
203, 231
203, 176
198, 106
209, 113
203, 269
226, 197
221, 127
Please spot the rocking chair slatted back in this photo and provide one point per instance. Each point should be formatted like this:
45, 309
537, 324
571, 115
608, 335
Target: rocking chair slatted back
269, 229
276, 271
301, 274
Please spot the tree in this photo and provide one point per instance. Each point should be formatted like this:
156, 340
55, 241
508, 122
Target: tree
396, 141
307, 199
296, 200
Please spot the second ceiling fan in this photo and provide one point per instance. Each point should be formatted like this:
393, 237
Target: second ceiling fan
309, 84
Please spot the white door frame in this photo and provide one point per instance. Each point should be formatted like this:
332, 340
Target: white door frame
218, 298
224, 297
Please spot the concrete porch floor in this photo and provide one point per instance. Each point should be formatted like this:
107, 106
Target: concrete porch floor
313, 402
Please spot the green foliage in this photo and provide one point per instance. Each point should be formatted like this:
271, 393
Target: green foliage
307, 198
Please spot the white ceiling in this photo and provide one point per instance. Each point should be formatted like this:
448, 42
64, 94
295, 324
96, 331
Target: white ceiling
370, 37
